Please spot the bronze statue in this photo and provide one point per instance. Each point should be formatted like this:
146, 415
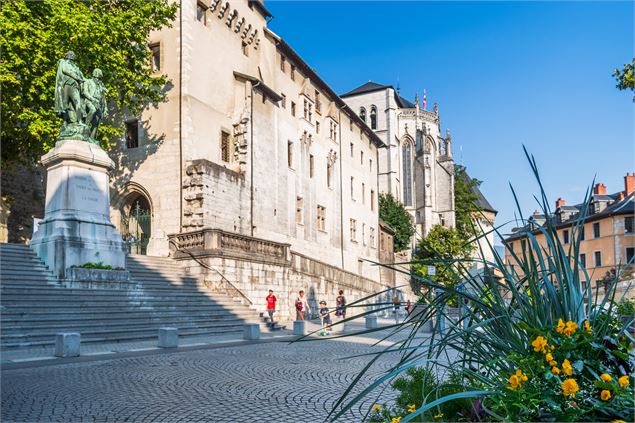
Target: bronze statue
68, 103
94, 93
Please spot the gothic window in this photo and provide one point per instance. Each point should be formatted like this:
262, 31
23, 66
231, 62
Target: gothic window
362, 114
407, 173
373, 117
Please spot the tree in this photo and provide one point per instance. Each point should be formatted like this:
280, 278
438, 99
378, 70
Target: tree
395, 215
442, 248
111, 35
626, 77
465, 202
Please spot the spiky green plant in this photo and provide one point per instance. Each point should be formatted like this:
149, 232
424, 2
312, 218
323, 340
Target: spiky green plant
542, 284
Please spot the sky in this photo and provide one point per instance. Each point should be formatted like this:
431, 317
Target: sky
505, 74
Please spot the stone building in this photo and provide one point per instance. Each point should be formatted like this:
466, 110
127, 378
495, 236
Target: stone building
253, 163
416, 166
606, 232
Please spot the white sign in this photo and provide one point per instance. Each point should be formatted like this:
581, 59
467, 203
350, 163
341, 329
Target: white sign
432, 270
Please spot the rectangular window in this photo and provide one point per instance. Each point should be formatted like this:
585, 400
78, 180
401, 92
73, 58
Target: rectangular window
292, 73
155, 57
361, 158
292, 108
352, 150
598, 258
370, 165
582, 235
583, 260
630, 255
318, 105
352, 188
317, 127
290, 153
363, 234
132, 133
306, 109
596, 230
363, 193
372, 200
353, 230
321, 218
628, 224
372, 238
565, 236
329, 174
311, 165
224, 146
283, 63
299, 205
284, 101
201, 13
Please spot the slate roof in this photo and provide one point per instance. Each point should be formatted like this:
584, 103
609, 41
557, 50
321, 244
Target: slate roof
371, 86
481, 201
624, 206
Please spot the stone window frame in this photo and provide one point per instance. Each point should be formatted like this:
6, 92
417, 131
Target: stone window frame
155, 50
321, 218
596, 230
361, 157
225, 149
311, 166
353, 229
353, 188
329, 176
363, 193
290, 147
372, 200
299, 210
371, 236
128, 142
597, 254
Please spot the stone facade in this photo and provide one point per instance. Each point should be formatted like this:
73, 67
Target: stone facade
417, 166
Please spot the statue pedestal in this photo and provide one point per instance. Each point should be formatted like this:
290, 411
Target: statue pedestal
76, 228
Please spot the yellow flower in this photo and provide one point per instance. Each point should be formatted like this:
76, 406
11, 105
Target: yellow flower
623, 381
566, 367
395, 419
411, 408
552, 347
560, 327
569, 388
376, 408
438, 416
514, 382
587, 326
605, 395
523, 378
553, 363
606, 377
555, 370
539, 344
618, 421
570, 328
549, 357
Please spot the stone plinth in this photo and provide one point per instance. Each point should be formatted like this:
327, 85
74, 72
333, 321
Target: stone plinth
67, 344
251, 332
371, 322
76, 228
168, 337
299, 328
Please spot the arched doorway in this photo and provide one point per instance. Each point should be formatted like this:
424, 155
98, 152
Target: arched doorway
136, 222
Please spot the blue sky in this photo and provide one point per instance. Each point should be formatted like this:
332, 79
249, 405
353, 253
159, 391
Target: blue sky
504, 74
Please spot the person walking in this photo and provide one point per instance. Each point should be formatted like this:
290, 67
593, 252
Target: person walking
271, 305
302, 306
396, 302
325, 316
340, 305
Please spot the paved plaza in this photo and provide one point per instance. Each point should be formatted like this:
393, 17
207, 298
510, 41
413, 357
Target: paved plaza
255, 382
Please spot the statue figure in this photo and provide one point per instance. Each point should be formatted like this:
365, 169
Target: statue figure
68, 102
94, 93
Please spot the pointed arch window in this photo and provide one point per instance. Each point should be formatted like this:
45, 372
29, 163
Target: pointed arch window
373, 117
407, 173
362, 114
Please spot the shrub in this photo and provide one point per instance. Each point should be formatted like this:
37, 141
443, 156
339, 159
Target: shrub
99, 266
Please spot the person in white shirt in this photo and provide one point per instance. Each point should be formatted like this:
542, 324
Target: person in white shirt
302, 306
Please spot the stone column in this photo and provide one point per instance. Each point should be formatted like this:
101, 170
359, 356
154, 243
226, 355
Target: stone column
76, 228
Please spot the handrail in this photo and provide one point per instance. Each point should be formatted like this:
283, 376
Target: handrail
206, 266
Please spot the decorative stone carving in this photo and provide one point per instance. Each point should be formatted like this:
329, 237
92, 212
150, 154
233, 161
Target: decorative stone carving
214, 5
240, 143
331, 158
246, 31
239, 25
232, 15
223, 10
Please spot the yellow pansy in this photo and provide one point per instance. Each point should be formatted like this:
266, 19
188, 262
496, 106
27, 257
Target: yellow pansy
560, 327
587, 326
395, 419
549, 357
376, 408
623, 381
569, 388
606, 377
555, 370
539, 344
411, 408
570, 328
514, 382
553, 363
567, 369
605, 395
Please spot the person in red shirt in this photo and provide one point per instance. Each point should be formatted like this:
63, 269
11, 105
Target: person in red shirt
271, 304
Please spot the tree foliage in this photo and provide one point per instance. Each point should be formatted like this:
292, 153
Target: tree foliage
465, 202
443, 248
626, 77
110, 34
395, 215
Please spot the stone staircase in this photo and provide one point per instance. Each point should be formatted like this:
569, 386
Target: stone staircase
34, 306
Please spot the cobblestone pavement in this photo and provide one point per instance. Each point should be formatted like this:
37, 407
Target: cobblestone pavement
266, 382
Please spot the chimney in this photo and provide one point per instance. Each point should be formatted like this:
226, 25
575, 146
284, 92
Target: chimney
629, 183
599, 189
559, 202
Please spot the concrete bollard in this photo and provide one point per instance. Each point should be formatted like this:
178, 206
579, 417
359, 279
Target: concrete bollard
299, 327
67, 344
252, 331
371, 322
168, 338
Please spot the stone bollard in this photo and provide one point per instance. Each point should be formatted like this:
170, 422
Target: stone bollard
67, 344
168, 337
299, 328
371, 322
252, 331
